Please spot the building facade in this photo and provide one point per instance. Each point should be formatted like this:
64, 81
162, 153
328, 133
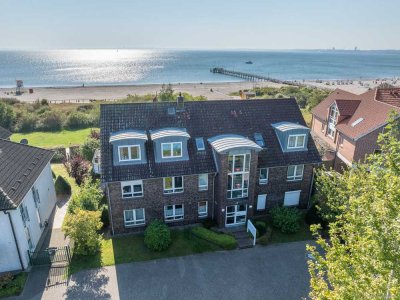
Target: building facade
185, 162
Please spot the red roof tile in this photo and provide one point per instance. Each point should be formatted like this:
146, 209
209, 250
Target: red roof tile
347, 107
389, 96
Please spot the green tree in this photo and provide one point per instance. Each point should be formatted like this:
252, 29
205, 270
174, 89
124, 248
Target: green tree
361, 260
82, 227
7, 115
89, 197
89, 147
166, 93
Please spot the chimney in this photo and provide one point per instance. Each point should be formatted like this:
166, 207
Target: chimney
180, 103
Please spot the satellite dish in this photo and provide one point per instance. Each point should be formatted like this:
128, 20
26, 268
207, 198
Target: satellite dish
24, 142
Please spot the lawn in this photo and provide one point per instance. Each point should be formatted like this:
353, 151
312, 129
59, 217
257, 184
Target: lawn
131, 248
15, 287
59, 169
52, 139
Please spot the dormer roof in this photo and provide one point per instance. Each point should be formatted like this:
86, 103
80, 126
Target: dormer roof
127, 135
226, 142
168, 132
287, 126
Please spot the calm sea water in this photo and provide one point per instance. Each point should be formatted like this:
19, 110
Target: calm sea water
104, 67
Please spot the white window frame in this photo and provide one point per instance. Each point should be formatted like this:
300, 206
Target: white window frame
245, 176
171, 144
263, 181
174, 189
135, 221
131, 184
296, 139
203, 187
332, 121
129, 153
294, 177
174, 216
202, 215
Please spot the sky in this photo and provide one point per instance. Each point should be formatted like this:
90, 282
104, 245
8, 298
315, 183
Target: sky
200, 24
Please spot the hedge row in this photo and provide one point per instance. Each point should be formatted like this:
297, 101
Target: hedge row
223, 240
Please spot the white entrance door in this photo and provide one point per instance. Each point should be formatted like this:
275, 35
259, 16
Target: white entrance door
236, 214
261, 201
291, 198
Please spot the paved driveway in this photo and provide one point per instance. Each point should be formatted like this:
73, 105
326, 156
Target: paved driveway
273, 272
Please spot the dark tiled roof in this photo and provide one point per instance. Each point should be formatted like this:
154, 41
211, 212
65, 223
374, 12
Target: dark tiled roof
20, 165
4, 133
201, 119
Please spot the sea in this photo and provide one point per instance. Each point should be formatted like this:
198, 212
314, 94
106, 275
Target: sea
93, 67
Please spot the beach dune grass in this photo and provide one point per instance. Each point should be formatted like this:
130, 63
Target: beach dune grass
63, 138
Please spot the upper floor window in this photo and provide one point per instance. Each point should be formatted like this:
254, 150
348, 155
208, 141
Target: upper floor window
134, 217
263, 179
24, 214
238, 176
203, 182
132, 189
129, 153
296, 141
170, 150
295, 172
36, 197
332, 120
173, 185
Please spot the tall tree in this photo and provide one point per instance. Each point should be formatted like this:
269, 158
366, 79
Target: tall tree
361, 260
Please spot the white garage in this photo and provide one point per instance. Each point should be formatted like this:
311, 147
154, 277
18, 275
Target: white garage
292, 198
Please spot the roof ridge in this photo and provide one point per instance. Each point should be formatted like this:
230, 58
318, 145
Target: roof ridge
5, 197
26, 145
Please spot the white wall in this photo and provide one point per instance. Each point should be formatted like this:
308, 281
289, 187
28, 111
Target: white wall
8, 252
47, 194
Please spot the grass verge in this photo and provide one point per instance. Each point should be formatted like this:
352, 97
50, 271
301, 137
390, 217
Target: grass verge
15, 287
131, 248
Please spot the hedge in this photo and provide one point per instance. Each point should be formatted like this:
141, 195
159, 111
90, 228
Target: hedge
223, 240
62, 185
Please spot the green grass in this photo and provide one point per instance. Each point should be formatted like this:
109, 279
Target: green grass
307, 116
15, 287
53, 139
131, 248
59, 169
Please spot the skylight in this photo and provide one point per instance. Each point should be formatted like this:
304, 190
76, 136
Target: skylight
259, 139
358, 121
200, 144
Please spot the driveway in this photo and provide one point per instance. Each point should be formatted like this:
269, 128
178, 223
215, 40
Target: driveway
273, 272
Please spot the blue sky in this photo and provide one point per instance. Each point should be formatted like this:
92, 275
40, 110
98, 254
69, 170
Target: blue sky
204, 24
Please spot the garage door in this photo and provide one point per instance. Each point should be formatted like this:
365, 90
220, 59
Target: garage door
291, 198
261, 202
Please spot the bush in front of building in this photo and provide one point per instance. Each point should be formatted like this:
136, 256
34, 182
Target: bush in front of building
261, 227
157, 236
224, 241
286, 219
89, 147
265, 239
62, 186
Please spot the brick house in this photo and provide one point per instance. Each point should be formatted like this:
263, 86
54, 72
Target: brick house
186, 161
349, 125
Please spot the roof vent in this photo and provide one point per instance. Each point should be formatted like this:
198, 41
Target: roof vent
356, 122
171, 111
259, 139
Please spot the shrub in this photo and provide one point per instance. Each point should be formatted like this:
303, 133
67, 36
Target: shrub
62, 185
78, 119
26, 122
77, 168
82, 227
261, 227
89, 147
7, 115
5, 280
312, 217
51, 121
208, 223
223, 240
157, 236
94, 134
286, 219
105, 219
266, 238
89, 197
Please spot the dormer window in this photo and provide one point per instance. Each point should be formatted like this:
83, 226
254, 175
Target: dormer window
296, 141
171, 150
129, 153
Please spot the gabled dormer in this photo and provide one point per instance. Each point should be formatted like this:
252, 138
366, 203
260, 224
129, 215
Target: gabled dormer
292, 136
128, 147
170, 144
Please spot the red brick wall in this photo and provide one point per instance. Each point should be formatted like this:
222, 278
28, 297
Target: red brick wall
367, 145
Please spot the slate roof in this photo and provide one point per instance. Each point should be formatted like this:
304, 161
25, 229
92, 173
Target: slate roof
204, 119
4, 133
374, 112
20, 166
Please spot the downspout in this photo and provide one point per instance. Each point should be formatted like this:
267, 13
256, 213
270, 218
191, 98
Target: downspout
109, 209
310, 191
15, 240
213, 209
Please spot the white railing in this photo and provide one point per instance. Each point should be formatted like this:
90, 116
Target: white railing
253, 231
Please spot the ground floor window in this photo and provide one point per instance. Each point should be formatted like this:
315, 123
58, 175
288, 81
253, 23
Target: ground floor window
236, 214
134, 217
173, 212
203, 209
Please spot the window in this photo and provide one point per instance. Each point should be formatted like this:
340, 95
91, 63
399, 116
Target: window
296, 141
36, 197
332, 121
132, 189
24, 214
238, 176
200, 144
203, 209
129, 153
173, 212
173, 185
295, 172
134, 217
203, 182
263, 179
171, 150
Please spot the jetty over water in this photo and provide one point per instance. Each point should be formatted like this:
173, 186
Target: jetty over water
252, 77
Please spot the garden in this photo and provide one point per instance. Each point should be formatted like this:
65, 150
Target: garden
12, 284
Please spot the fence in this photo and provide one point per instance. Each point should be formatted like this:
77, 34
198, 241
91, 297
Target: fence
50, 256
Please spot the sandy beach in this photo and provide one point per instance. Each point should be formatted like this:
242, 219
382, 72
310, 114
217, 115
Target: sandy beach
212, 91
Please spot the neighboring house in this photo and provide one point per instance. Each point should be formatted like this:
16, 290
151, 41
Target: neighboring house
349, 124
183, 162
27, 198
4, 133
